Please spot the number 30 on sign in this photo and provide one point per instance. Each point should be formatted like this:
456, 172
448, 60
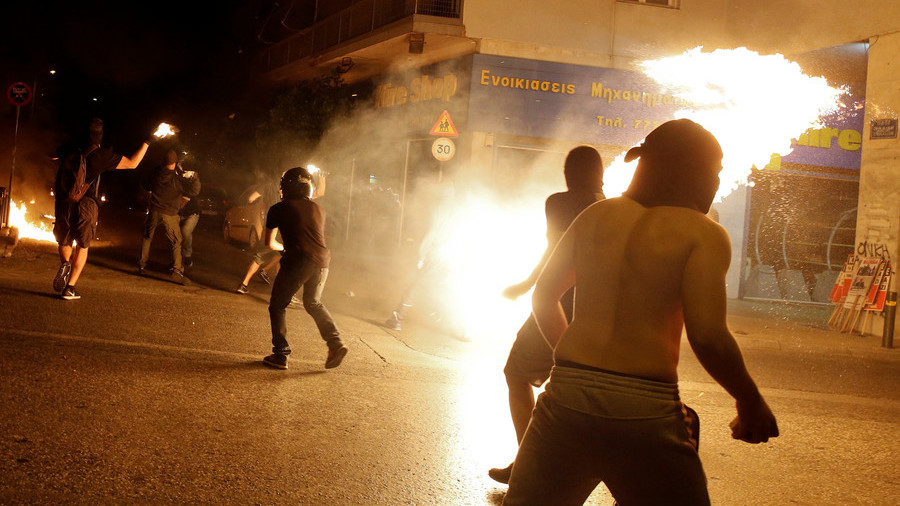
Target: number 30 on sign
443, 149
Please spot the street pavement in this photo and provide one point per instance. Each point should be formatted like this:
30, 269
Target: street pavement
148, 392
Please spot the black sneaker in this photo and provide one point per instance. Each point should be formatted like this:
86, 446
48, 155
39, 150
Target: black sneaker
69, 293
501, 475
242, 289
336, 356
141, 271
277, 361
62, 277
263, 275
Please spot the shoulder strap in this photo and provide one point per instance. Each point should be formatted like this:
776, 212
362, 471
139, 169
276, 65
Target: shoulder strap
84, 159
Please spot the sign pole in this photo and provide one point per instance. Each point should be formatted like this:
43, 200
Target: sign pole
18, 94
12, 169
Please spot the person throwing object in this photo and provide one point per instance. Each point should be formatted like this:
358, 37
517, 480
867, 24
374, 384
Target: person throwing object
645, 266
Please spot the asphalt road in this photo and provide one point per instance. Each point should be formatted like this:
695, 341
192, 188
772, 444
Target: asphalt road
149, 392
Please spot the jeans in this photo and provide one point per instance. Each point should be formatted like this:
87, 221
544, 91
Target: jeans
173, 234
188, 223
293, 275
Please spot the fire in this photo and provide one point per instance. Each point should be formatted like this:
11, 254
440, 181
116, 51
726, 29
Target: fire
38, 231
164, 130
489, 246
754, 104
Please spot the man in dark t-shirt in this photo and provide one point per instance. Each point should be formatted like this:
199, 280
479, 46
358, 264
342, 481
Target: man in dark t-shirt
304, 263
169, 191
531, 358
76, 222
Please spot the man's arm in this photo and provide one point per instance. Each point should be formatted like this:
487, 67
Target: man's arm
517, 290
704, 306
135, 160
557, 277
272, 240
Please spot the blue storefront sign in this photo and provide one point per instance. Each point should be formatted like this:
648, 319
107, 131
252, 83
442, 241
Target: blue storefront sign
611, 107
556, 100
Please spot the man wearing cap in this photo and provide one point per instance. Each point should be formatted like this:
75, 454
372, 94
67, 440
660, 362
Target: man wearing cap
645, 266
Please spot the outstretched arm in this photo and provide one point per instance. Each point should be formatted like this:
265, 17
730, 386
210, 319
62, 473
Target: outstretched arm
517, 290
704, 305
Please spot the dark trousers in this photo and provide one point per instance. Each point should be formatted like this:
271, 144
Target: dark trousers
293, 275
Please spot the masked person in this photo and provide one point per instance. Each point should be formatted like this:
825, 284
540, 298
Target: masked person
169, 191
531, 358
645, 266
77, 217
304, 263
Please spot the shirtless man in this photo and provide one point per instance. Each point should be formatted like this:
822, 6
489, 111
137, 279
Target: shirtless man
644, 266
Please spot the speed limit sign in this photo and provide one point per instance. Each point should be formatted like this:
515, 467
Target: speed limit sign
443, 149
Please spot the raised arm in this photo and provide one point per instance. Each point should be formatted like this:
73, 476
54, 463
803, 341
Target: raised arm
557, 276
704, 305
135, 160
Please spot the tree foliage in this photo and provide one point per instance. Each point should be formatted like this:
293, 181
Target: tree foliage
300, 116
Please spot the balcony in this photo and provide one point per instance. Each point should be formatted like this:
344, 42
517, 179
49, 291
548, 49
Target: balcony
375, 34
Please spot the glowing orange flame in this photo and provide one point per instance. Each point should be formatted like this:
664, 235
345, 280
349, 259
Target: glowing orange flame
754, 104
38, 231
164, 130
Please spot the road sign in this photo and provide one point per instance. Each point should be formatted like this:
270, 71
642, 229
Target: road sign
444, 126
19, 94
443, 149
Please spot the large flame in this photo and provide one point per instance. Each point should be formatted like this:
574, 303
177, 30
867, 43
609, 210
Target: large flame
754, 104
28, 230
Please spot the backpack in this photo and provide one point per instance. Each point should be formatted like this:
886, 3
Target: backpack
75, 176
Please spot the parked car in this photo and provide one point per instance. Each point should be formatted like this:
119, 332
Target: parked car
213, 200
245, 222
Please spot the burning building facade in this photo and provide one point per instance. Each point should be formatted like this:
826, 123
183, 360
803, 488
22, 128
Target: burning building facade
509, 90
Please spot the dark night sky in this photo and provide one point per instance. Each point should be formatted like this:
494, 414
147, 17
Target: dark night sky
144, 62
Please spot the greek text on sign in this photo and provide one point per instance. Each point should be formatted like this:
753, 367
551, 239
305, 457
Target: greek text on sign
443, 149
444, 126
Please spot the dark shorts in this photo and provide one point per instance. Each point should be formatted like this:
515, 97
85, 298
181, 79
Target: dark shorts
531, 358
76, 222
262, 254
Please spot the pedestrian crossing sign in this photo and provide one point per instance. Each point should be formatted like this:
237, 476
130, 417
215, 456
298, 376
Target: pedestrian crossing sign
444, 126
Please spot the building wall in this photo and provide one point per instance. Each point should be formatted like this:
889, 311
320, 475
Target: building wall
801, 25
608, 33
878, 218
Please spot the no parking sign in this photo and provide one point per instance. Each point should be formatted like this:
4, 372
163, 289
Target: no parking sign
19, 94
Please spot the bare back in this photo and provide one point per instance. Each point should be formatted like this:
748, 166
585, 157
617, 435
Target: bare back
632, 266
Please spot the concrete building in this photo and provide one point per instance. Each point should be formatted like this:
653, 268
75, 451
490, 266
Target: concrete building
509, 84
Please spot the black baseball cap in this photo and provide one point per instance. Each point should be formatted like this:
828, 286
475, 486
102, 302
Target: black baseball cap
677, 139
